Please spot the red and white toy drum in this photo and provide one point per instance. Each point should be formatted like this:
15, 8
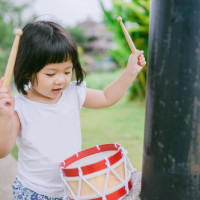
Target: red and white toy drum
103, 172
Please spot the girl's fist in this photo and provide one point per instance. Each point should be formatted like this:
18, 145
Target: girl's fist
6, 101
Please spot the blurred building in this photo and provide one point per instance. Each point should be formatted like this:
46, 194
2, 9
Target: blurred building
99, 39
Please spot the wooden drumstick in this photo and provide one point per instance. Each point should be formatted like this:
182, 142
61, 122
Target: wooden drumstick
11, 60
128, 38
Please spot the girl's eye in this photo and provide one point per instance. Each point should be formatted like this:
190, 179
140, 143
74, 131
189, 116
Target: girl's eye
50, 74
67, 72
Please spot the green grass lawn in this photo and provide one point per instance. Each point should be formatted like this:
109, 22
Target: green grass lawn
122, 123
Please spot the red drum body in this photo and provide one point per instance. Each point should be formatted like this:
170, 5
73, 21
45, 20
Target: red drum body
103, 172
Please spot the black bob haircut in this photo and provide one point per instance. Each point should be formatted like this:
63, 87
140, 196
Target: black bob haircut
42, 43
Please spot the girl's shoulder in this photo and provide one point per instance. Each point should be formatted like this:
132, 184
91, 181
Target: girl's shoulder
79, 91
73, 86
20, 103
19, 98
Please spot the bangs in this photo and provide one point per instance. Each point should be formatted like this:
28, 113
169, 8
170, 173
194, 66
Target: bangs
52, 51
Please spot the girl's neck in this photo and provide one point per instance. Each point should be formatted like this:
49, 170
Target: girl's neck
37, 97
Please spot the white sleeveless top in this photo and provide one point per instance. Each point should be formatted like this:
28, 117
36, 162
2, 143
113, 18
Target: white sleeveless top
49, 134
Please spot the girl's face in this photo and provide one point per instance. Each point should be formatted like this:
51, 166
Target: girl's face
51, 81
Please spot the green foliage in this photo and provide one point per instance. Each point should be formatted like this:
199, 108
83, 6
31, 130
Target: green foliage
10, 18
135, 16
3, 61
78, 34
100, 80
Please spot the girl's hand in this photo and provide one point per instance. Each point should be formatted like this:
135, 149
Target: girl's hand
136, 62
6, 101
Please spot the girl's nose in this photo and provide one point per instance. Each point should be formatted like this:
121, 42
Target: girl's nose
60, 80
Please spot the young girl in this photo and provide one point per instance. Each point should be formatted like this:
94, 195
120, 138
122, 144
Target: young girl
44, 118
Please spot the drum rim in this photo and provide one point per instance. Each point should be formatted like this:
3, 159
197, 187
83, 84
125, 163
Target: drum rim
95, 167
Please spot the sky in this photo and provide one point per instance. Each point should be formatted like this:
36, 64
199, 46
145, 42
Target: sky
68, 12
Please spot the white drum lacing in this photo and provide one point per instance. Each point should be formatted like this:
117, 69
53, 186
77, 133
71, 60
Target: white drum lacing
109, 168
133, 170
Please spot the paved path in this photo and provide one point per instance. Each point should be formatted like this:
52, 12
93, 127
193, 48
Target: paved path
8, 171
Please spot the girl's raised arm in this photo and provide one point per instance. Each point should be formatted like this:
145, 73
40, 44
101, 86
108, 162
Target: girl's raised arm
113, 92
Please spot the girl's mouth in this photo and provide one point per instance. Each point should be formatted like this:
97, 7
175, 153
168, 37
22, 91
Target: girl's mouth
57, 91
